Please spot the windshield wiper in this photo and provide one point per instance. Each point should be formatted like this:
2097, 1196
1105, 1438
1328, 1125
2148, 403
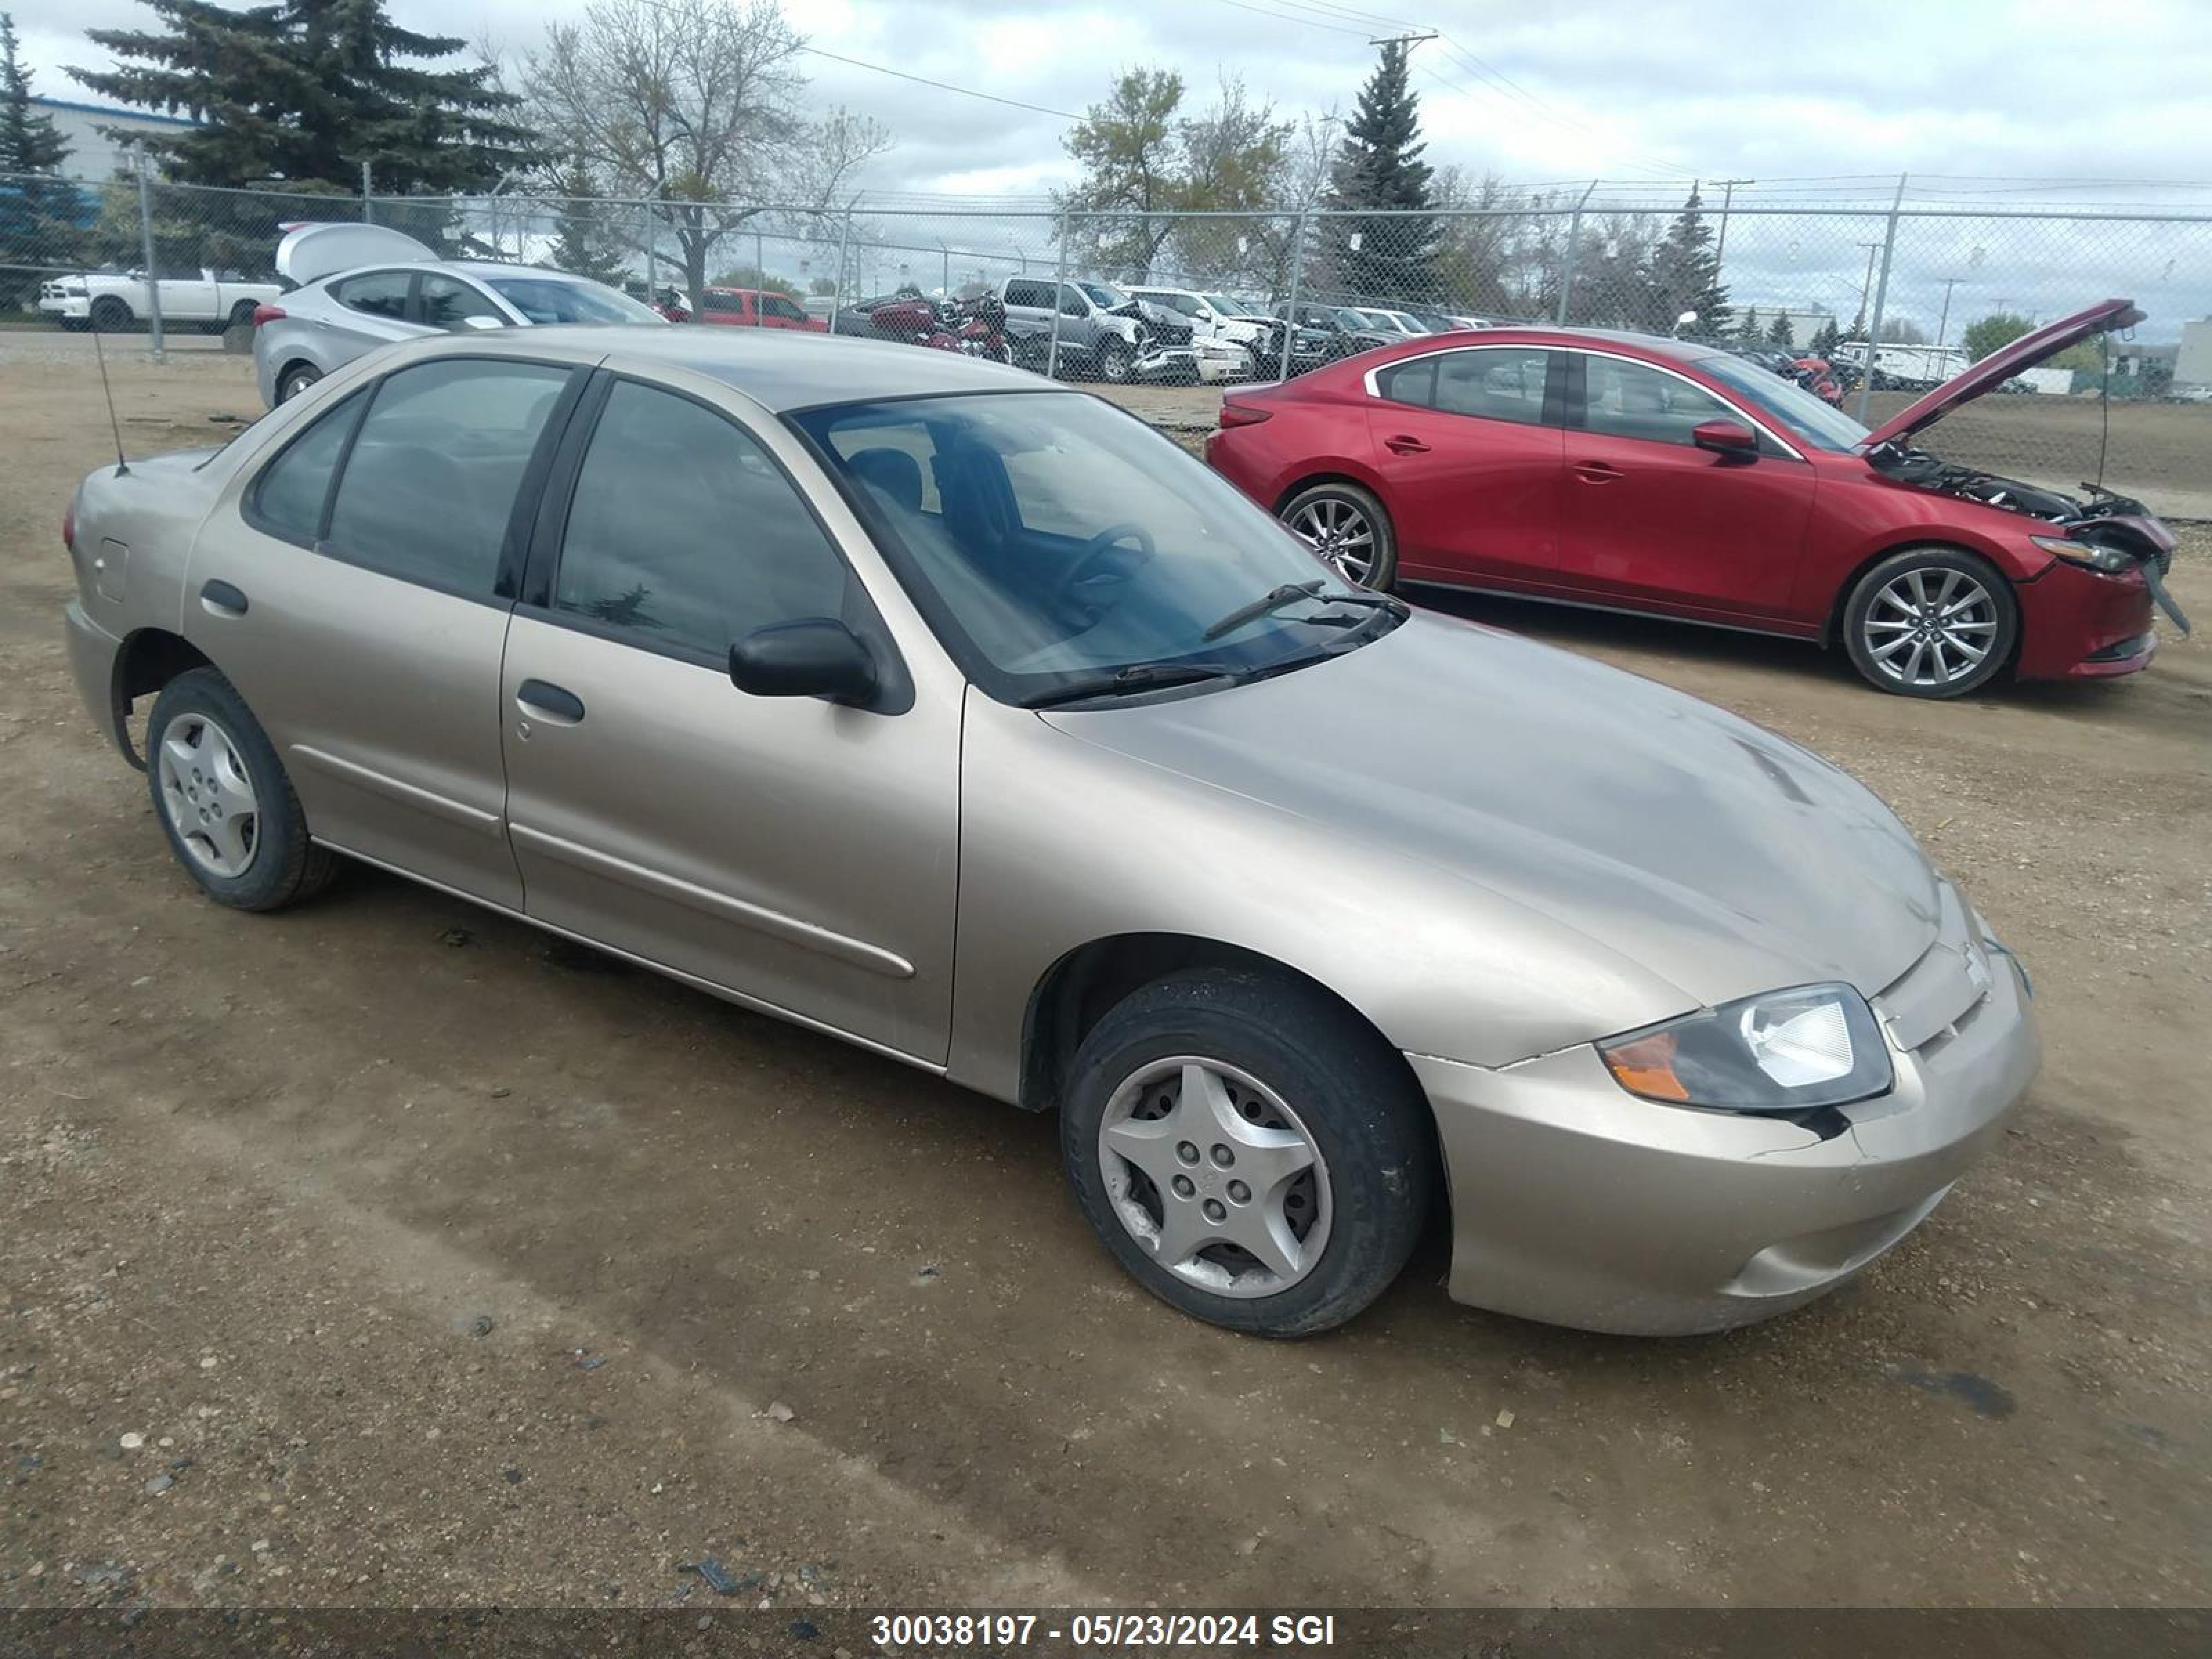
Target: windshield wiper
1289, 593
1137, 676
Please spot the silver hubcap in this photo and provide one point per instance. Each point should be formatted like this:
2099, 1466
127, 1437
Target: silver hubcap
1339, 532
1930, 627
208, 795
1213, 1174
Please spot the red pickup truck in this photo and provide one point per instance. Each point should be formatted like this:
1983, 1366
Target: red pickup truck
750, 307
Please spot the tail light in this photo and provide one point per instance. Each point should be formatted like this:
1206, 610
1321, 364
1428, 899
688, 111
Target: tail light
69, 526
267, 314
1242, 415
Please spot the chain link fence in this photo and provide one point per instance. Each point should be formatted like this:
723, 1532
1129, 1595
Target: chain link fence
1890, 297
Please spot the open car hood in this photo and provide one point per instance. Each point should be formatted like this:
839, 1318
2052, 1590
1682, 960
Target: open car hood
2002, 364
310, 252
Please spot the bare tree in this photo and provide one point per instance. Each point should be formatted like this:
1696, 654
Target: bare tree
695, 105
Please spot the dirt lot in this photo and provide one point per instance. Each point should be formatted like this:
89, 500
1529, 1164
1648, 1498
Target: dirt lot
386, 1252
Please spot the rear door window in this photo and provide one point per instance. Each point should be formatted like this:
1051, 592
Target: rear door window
1496, 384
430, 486
375, 294
288, 498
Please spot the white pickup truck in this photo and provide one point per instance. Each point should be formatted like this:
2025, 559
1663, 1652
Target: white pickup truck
212, 300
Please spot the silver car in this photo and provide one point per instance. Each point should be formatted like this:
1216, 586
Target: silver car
936, 707
364, 286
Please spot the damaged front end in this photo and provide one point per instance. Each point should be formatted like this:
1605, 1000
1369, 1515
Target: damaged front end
2099, 529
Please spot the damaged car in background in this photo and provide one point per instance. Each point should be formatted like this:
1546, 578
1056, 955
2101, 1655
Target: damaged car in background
1639, 473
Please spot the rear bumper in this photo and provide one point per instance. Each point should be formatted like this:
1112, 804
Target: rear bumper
1576, 1204
92, 651
2080, 625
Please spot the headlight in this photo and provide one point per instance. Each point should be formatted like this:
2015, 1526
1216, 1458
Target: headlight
2110, 560
1786, 1051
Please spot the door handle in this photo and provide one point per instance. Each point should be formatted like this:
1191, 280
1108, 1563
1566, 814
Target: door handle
1596, 472
1403, 444
222, 599
552, 702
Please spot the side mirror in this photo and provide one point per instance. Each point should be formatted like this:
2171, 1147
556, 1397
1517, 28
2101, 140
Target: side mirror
813, 658
1731, 440
479, 321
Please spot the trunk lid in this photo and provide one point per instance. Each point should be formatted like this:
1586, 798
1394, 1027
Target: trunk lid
309, 254
2001, 364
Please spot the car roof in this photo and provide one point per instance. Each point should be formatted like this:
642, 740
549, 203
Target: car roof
779, 370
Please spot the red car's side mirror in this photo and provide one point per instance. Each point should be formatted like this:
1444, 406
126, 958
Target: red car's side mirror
1731, 439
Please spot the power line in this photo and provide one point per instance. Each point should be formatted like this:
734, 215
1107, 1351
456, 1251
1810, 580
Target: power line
942, 86
1287, 17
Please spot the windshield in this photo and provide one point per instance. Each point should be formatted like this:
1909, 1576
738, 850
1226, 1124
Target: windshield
1798, 411
558, 300
1104, 294
1052, 539
1347, 318
1227, 307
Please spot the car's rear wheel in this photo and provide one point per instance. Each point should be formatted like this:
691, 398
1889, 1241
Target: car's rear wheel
1348, 528
296, 379
224, 801
1931, 622
1248, 1151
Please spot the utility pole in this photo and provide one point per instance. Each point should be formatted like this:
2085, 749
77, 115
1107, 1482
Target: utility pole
1866, 290
1944, 322
1408, 40
1728, 200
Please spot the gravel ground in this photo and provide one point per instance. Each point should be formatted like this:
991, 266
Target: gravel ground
388, 1253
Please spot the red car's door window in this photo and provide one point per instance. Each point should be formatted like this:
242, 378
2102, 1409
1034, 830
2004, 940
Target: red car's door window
1472, 469
1652, 519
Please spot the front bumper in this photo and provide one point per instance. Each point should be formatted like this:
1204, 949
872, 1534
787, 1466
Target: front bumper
2082, 624
65, 305
1576, 1204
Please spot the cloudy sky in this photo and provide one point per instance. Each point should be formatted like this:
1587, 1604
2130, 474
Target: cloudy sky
1986, 100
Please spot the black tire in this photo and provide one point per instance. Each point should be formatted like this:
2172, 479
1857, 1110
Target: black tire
1360, 1109
295, 379
1872, 622
75, 324
110, 315
241, 315
285, 866
1334, 497
1115, 363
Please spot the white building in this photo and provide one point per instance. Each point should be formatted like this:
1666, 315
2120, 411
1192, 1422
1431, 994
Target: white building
97, 134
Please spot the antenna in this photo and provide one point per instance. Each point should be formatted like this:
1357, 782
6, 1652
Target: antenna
122, 466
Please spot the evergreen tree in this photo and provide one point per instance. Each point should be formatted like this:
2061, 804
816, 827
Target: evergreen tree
1747, 325
1380, 167
36, 207
1824, 341
306, 91
586, 242
1684, 275
28, 143
1780, 334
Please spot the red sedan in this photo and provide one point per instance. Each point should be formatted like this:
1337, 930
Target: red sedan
1634, 473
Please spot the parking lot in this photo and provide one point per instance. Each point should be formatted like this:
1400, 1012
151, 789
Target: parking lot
388, 1252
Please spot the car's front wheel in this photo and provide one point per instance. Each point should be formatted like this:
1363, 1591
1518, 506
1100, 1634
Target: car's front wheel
1116, 363
224, 801
1931, 622
1347, 526
1251, 1152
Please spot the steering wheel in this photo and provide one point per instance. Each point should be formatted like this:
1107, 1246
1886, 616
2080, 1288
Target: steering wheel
1093, 559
